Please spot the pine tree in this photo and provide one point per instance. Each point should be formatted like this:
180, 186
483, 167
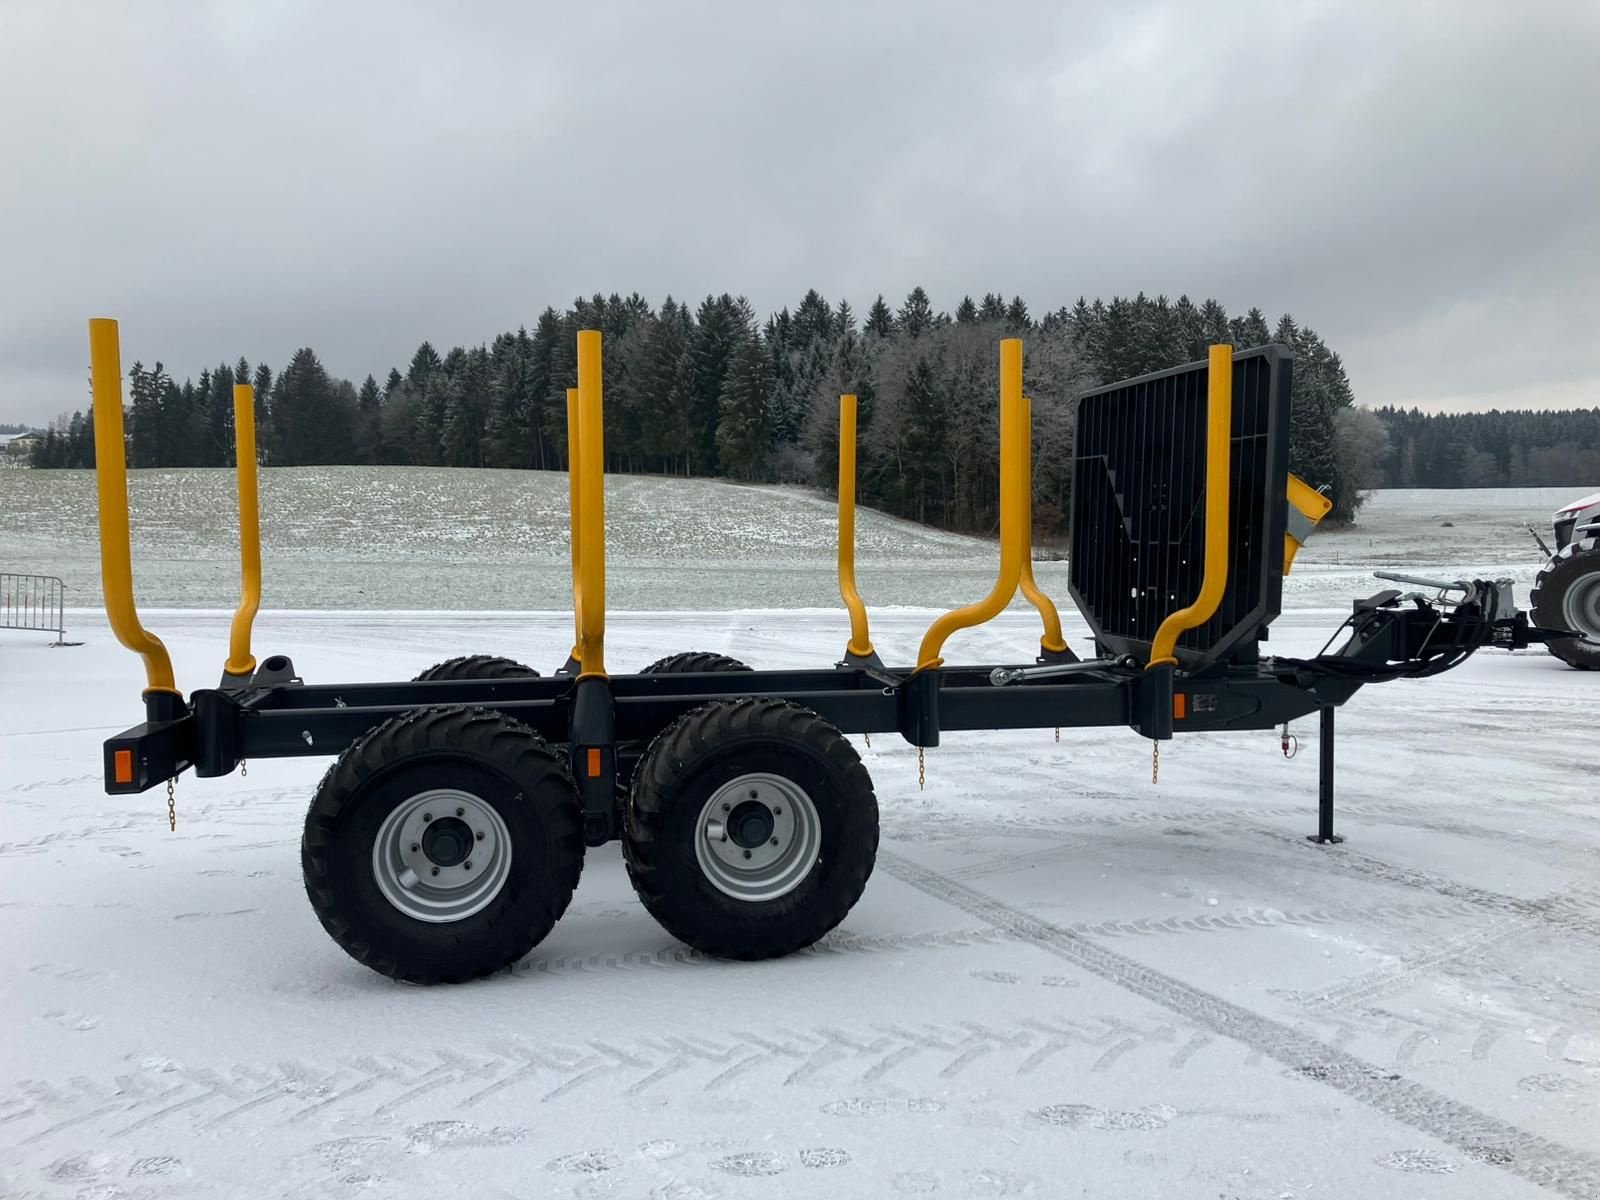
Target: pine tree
369, 414
813, 321
144, 418
880, 320
844, 320
263, 394
916, 314
966, 312
923, 440
425, 363
720, 328
1214, 326
1188, 331
313, 418
744, 435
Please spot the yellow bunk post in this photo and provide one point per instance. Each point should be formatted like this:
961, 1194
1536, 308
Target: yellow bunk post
1219, 452
163, 700
1012, 515
1052, 645
858, 650
574, 662
590, 594
241, 664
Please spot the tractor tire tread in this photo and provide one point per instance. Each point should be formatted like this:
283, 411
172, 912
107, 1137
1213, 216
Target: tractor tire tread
517, 752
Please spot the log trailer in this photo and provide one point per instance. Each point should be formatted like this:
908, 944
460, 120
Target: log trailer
447, 837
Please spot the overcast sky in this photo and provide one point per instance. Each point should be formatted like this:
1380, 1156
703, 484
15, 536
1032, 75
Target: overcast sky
1419, 182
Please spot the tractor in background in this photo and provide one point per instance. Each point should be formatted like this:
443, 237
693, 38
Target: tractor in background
1566, 594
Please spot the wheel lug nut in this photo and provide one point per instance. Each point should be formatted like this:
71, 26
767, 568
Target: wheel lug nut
747, 854
467, 865
777, 812
436, 870
427, 816
461, 812
774, 841
727, 808
754, 793
415, 846
480, 835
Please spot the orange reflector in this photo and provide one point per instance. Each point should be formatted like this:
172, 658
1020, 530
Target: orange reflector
1180, 706
122, 766
594, 762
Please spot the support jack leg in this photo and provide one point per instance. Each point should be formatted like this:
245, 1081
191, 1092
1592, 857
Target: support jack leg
1324, 835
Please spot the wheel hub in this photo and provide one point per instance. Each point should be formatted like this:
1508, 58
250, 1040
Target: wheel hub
442, 855
751, 824
759, 837
1581, 606
447, 841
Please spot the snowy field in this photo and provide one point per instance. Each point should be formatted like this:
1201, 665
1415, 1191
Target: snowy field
418, 538
1063, 980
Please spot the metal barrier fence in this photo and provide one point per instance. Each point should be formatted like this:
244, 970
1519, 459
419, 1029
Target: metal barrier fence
34, 602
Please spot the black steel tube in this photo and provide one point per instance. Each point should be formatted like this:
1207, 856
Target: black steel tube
1325, 835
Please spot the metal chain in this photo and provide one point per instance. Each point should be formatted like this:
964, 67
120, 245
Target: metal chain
1155, 762
1058, 733
922, 770
172, 808
868, 736
244, 768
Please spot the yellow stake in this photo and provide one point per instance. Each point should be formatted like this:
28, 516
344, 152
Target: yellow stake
240, 661
1013, 514
860, 643
592, 507
1219, 457
111, 476
574, 472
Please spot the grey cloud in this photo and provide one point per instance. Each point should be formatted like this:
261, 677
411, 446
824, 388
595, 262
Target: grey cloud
1417, 181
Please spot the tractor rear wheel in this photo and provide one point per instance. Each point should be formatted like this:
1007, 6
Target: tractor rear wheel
1566, 595
751, 828
477, 666
443, 845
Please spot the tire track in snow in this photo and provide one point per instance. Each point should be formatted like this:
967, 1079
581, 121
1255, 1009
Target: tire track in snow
1368, 986
1477, 1134
842, 942
1559, 912
375, 1089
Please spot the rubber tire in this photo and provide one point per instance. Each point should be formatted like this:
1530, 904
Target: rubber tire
690, 662
477, 666
686, 662
698, 753
1569, 564
500, 760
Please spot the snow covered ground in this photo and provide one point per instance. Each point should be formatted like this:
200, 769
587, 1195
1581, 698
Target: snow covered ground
1063, 980
421, 538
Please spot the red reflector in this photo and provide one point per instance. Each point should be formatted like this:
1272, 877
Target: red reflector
122, 766
594, 762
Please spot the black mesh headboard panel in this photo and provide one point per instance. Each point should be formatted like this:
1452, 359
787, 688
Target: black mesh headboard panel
1138, 506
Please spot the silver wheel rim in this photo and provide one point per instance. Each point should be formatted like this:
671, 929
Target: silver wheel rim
758, 837
442, 855
1580, 607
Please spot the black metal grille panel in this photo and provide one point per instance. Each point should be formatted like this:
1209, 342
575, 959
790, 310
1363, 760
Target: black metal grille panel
1138, 506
